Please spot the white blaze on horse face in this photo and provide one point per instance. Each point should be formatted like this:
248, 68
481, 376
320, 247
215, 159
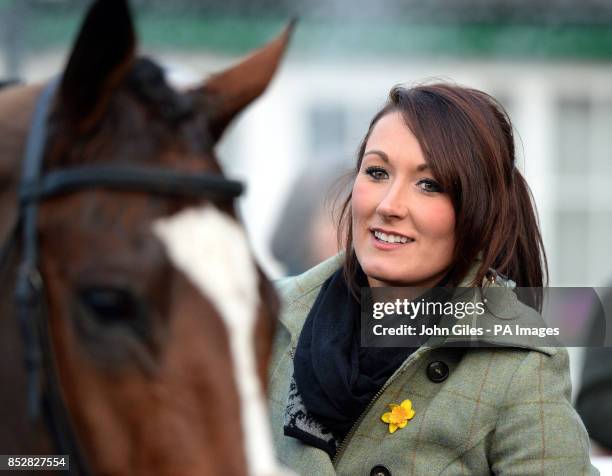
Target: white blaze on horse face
211, 249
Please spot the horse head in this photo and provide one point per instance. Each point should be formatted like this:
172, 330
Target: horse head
159, 319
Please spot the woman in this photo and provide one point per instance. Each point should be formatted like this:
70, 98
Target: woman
436, 200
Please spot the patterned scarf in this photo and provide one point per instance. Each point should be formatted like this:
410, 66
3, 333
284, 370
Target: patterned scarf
334, 377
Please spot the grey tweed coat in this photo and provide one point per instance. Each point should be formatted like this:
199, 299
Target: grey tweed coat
498, 411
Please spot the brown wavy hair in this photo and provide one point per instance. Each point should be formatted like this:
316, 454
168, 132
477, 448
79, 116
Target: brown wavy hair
467, 139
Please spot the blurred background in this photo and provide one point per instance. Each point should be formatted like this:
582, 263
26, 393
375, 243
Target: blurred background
549, 62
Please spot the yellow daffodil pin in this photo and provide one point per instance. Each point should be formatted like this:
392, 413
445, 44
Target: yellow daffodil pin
398, 416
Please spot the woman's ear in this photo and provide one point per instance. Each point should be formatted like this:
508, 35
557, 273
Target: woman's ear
101, 57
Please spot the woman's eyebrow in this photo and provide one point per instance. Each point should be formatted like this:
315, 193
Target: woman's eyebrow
379, 153
419, 168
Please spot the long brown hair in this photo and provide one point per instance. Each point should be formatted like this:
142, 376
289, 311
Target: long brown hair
467, 140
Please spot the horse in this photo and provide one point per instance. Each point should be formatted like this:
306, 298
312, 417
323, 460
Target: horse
144, 320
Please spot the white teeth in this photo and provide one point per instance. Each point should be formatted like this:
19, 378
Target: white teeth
391, 238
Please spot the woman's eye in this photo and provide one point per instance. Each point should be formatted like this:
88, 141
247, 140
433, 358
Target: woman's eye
377, 173
429, 185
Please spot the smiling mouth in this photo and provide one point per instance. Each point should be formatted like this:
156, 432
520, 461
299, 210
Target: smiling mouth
391, 238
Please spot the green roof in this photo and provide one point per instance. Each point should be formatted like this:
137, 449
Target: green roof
329, 39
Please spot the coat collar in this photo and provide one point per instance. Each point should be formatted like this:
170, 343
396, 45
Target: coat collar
503, 308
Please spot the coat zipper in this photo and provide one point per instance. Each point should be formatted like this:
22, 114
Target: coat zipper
349, 435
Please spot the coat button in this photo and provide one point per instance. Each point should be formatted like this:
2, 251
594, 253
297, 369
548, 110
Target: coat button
380, 470
437, 371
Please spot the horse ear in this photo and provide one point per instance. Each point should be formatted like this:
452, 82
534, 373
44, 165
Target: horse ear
103, 53
230, 91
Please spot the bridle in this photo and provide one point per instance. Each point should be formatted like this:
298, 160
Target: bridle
44, 389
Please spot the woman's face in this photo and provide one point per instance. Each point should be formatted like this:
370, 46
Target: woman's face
403, 223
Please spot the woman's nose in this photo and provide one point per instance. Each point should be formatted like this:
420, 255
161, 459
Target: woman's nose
394, 203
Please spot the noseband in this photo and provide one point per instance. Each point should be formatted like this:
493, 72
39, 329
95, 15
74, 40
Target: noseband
44, 389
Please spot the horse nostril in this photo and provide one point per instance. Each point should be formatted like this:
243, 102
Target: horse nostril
111, 305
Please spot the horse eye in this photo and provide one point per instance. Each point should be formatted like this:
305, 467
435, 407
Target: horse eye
111, 305
115, 324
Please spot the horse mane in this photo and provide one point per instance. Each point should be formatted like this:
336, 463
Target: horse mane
147, 82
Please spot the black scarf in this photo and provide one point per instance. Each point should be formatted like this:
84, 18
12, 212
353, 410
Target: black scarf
336, 377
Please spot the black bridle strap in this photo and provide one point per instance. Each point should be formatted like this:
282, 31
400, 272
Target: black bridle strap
29, 285
130, 178
30, 302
